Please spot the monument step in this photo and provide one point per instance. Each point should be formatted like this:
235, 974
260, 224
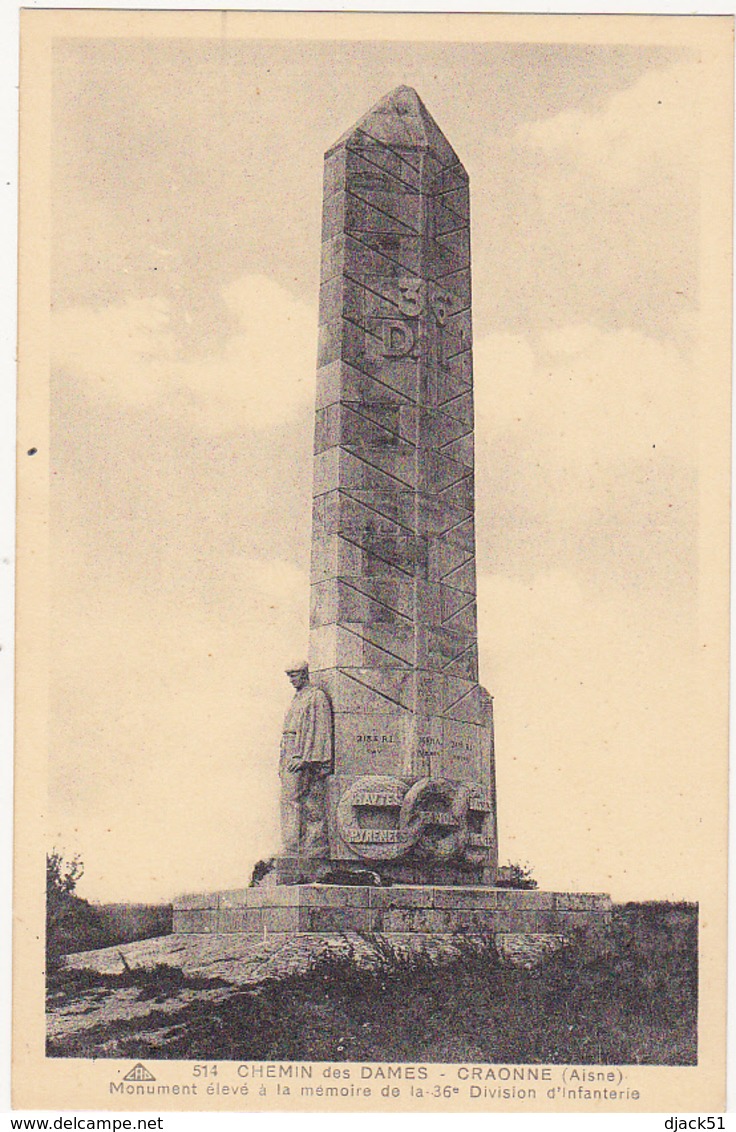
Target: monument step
318, 908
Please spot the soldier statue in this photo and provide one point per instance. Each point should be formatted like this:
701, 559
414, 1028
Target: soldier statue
306, 762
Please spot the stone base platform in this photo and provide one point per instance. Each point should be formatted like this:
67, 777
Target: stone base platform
430, 910
300, 870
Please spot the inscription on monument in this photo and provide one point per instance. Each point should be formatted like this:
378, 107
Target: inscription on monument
372, 798
355, 820
430, 818
358, 836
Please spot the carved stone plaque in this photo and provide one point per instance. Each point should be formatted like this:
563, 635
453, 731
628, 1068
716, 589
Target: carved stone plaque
383, 818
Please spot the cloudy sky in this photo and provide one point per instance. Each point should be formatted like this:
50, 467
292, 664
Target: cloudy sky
185, 269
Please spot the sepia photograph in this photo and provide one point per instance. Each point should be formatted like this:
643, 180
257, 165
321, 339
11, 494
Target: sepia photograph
373, 528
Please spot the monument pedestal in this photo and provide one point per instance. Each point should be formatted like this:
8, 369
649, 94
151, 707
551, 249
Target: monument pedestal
349, 872
427, 910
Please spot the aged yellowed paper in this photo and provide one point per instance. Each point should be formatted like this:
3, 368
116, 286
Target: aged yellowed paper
480, 863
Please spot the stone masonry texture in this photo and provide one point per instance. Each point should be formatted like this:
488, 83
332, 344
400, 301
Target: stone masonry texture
393, 628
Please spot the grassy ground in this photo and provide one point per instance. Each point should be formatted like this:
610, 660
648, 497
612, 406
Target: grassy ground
636, 1003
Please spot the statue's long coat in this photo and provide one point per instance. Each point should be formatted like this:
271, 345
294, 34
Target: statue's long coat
307, 731
306, 741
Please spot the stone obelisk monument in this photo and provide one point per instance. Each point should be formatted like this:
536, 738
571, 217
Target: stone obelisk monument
391, 806
393, 638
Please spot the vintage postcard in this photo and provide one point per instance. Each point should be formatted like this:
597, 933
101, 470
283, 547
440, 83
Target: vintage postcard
373, 527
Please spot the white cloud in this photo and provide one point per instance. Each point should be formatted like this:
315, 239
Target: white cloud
653, 123
587, 451
581, 396
128, 352
123, 351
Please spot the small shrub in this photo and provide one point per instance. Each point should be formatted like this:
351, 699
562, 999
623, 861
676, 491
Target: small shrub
261, 869
516, 876
72, 924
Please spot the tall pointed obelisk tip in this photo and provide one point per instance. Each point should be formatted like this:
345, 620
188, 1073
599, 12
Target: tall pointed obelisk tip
400, 118
403, 89
403, 99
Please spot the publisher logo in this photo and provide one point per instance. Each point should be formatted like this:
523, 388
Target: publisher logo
139, 1073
